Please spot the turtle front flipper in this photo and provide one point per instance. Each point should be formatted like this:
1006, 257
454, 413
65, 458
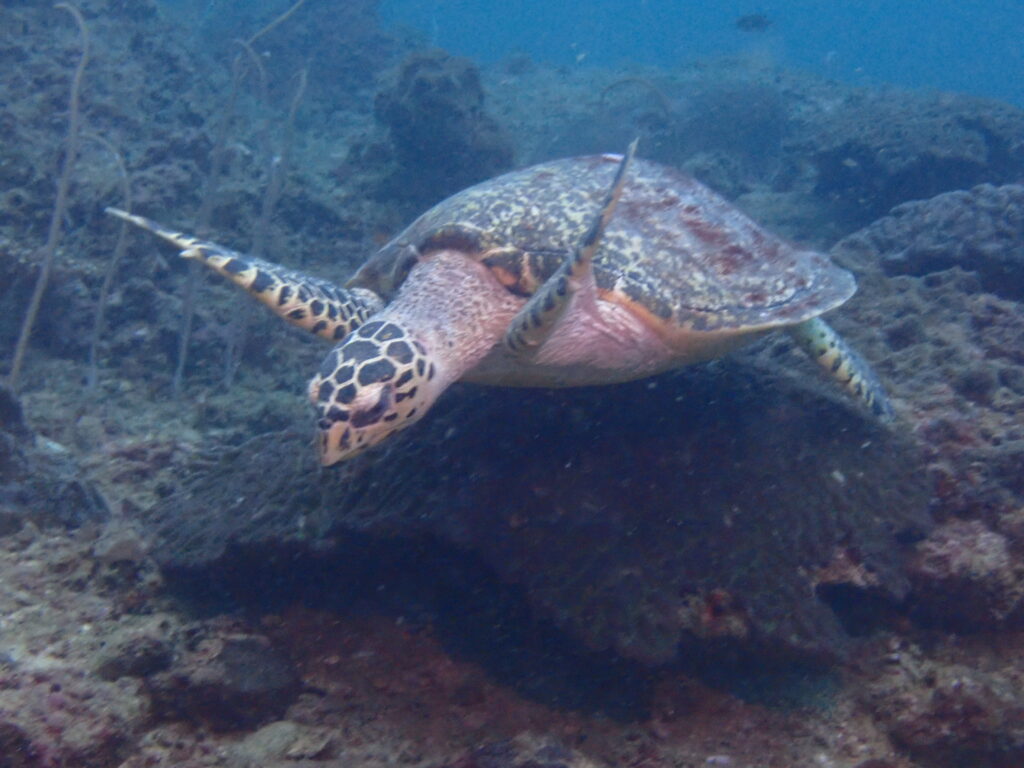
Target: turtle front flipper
532, 325
308, 302
820, 341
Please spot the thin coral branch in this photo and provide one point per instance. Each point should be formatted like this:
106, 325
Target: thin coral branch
262, 128
278, 170
643, 82
276, 175
217, 156
257, 64
279, 20
60, 205
92, 377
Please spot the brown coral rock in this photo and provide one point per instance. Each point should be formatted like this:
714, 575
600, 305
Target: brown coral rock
226, 680
950, 715
442, 138
965, 572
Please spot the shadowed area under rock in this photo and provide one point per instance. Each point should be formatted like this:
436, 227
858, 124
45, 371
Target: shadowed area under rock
700, 511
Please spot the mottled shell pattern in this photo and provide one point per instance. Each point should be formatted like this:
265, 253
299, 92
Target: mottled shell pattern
674, 250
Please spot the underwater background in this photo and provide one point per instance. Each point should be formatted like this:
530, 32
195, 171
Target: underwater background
940, 44
732, 564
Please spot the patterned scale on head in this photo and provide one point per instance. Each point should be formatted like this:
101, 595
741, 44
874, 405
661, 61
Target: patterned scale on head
367, 388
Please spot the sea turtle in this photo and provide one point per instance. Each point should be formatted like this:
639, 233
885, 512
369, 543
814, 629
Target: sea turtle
588, 270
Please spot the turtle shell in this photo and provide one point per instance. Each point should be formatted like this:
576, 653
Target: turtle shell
673, 250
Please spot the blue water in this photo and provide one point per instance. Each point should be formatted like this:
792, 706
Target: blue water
948, 45
939, 44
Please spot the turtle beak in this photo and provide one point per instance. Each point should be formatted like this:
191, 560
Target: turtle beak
336, 443
345, 432
332, 447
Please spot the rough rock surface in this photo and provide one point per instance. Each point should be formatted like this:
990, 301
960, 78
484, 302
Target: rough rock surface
39, 479
967, 575
377, 690
224, 679
57, 615
943, 277
637, 517
980, 230
521, 753
442, 138
420, 652
949, 714
878, 149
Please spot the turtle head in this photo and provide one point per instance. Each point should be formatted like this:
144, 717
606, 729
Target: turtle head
378, 381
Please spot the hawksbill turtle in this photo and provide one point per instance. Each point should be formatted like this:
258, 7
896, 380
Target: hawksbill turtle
581, 271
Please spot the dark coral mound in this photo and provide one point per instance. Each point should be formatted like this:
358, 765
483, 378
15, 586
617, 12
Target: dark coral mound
442, 138
880, 149
979, 230
39, 480
701, 512
964, 716
226, 680
945, 279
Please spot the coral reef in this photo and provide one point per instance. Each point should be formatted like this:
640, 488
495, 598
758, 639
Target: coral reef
53, 709
147, 93
612, 577
966, 575
225, 678
943, 275
949, 714
719, 556
520, 753
819, 158
980, 230
439, 137
90, 650
950, 332
55, 231
40, 481
882, 148
339, 41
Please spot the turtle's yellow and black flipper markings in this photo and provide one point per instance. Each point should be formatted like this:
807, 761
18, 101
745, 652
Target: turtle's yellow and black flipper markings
534, 322
308, 302
839, 360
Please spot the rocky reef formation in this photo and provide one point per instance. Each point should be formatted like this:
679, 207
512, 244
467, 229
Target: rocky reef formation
40, 481
833, 157
883, 148
978, 230
944, 277
528, 578
673, 533
91, 661
439, 138
948, 712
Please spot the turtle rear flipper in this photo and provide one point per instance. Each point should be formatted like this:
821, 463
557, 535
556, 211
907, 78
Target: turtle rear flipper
839, 360
308, 302
532, 325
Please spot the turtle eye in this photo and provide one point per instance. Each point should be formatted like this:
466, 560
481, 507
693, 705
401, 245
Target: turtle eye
375, 412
